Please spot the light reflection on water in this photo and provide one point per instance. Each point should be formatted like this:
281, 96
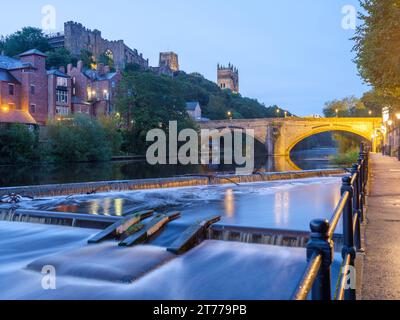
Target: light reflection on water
280, 204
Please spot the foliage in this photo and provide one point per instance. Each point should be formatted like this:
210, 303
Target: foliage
24, 40
377, 44
113, 133
145, 101
347, 158
17, 144
347, 107
107, 61
217, 103
87, 58
59, 57
79, 139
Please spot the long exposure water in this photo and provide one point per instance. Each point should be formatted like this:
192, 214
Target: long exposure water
213, 270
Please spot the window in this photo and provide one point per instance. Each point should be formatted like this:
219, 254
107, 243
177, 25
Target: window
61, 96
62, 111
11, 89
32, 108
62, 82
32, 89
74, 80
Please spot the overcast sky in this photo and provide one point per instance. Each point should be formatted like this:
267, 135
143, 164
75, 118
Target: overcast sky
291, 53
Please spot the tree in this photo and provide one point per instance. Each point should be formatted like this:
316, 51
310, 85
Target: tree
377, 45
17, 144
59, 57
79, 139
87, 58
107, 61
24, 40
146, 101
347, 107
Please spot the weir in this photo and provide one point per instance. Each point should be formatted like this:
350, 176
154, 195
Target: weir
146, 184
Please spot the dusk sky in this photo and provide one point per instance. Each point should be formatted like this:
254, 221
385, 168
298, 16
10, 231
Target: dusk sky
291, 53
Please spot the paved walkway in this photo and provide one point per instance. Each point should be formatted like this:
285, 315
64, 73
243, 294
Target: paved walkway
381, 276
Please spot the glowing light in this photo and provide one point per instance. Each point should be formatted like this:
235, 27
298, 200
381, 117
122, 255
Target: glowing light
107, 206
398, 116
5, 108
94, 207
390, 122
119, 204
229, 203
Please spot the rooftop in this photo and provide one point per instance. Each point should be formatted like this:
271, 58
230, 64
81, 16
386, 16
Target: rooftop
191, 106
58, 73
94, 74
16, 116
33, 52
7, 76
8, 63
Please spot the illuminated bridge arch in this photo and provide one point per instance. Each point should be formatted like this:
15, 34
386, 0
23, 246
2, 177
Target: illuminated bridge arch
313, 132
280, 136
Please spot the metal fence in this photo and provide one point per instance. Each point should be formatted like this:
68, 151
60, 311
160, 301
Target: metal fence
317, 278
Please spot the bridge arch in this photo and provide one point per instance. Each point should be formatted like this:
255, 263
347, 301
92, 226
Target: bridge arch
298, 139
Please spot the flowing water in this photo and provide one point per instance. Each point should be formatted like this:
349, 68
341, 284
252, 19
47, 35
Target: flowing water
214, 270
280, 204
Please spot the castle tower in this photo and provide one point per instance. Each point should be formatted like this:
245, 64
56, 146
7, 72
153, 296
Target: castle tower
228, 78
169, 59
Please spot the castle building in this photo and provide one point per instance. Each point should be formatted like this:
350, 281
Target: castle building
170, 60
228, 78
76, 38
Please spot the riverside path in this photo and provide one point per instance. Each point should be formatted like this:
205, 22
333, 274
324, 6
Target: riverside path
381, 276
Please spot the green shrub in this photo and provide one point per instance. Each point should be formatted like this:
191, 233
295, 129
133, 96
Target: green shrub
17, 144
78, 140
347, 158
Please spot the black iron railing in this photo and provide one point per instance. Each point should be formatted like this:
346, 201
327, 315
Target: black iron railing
317, 278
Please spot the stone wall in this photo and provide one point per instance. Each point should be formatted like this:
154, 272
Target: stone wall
78, 38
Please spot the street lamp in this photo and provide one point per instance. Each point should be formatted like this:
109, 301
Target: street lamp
337, 113
229, 115
370, 112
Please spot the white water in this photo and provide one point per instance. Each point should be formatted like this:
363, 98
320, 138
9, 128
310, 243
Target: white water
214, 270
280, 204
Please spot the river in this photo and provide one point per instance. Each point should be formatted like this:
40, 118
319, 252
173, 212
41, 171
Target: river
23, 175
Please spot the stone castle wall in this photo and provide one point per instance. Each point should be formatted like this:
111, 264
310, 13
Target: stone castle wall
78, 38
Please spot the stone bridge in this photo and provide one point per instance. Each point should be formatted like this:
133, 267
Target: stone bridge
280, 135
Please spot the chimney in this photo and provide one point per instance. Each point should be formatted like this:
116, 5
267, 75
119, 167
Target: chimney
100, 69
80, 65
62, 69
107, 69
69, 68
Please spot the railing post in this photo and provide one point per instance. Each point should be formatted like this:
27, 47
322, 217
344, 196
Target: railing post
361, 186
321, 244
356, 202
348, 235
